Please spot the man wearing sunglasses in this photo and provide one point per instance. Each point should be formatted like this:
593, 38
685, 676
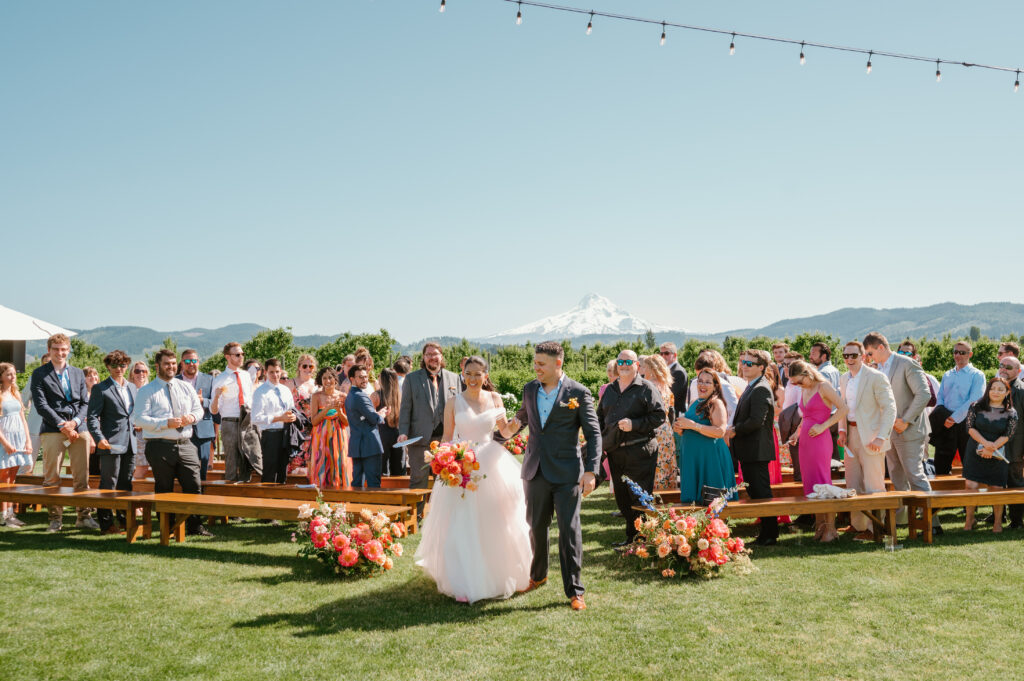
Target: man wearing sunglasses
680, 381
202, 432
961, 386
231, 398
1009, 368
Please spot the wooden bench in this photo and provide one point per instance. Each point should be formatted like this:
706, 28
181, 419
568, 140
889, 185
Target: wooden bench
183, 505
94, 498
868, 504
931, 501
377, 495
795, 489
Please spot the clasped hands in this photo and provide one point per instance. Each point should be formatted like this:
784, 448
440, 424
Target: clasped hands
180, 421
986, 449
68, 428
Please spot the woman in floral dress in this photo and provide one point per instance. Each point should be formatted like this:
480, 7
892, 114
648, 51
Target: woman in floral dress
666, 476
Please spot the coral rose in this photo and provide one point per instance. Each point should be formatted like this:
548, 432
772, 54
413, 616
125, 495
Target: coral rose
719, 528
373, 550
348, 557
388, 563
638, 523
397, 549
664, 550
341, 542
398, 529
319, 540
683, 550
642, 552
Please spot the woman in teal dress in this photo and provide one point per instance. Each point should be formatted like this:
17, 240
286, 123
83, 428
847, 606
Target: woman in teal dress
704, 458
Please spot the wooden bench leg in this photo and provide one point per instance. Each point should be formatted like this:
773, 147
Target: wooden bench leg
890, 521
131, 524
178, 527
926, 512
165, 529
147, 521
912, 522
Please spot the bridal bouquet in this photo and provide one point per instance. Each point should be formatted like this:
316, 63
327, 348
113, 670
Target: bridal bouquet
687, 542
453, 463
362, 544
517, 444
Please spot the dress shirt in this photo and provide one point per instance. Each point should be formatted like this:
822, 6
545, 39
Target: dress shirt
960, 389
546, 401
830, 373
152, 408
791, 396
268, 402
227, 405
851, 396
884, 366
65, 384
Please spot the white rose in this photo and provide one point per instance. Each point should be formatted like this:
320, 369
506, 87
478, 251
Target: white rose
702, 543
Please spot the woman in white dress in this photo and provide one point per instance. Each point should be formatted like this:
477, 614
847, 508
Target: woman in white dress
476, 544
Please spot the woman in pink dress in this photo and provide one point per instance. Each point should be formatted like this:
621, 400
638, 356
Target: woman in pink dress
817, 400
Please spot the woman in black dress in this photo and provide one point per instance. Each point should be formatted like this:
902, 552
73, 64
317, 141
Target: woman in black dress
389, 395
990, 425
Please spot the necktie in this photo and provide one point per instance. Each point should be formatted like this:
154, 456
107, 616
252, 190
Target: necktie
433, 389
170, 403
241, 398
65, 384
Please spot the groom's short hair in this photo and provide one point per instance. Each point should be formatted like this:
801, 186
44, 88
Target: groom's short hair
550, 348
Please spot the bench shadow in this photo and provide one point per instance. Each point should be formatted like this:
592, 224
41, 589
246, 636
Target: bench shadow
416, 602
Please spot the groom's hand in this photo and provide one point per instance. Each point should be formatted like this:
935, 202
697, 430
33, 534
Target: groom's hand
588, 482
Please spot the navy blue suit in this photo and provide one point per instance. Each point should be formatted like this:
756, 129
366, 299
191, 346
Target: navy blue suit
110, 419
51, 402
364, 446
202, 431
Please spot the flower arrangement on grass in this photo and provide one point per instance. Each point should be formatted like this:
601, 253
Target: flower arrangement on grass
363, 544
517, 445
685, 542
453, 463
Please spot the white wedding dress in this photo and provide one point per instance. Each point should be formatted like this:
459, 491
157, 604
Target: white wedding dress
477, 545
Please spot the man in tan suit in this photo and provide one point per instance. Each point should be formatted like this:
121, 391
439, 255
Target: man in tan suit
867, 428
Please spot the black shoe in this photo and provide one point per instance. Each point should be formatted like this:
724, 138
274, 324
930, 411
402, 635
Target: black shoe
619, 544
938, 531
616, 514
766, 541
1016, 525
201, 531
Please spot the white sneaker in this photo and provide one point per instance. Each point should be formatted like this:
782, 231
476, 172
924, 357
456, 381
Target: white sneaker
87, 523
55, 526
13, 521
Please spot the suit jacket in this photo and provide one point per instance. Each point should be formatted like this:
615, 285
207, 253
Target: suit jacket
48, 397
553, 449
1015, 447
754, 424
202, 430
680, 384
416, 417
363, 422
110, 418
874, 408
911, 392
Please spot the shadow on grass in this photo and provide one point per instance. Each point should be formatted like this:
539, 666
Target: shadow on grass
413, 603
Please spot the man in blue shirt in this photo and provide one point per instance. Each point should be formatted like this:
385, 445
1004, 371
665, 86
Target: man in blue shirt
961, 386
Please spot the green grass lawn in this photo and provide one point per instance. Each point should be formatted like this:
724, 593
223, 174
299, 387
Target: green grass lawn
243, 606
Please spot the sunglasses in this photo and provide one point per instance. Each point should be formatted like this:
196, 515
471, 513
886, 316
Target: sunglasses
851, 355
905, 353
190, 361
1008, 367
960, 352
307, 366
748, 363
708, 383
236, 354
624, 362
141, 371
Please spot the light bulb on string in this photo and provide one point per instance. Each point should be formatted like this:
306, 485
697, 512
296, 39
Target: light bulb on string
519, 15
1016, 83
590, 24
441, 10
732, 45
869, 61
662, 33
803, 59
938, 72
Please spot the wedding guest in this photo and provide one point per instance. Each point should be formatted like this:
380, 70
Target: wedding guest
255, 372
109, 418
961, 386
751, 436
821, 407
707, 360
203, 432
303, 386
272, 408
138, 378
421, 414
680, 381
905, 459
402, 367
166, 409
389, 396
792, 395
629, 414
725, 374
232, 390
865, 430
346, 363
14, 437
666, 475
820, 355
1008, 348
35, 421
92, 377
704, 457
59, 393
1009, 368
364, 447
779, 351
613, 373
991, 423
328, 461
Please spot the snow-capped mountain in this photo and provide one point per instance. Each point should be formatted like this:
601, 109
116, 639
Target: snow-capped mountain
593, 315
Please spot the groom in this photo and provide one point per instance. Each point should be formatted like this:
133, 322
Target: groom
556, 474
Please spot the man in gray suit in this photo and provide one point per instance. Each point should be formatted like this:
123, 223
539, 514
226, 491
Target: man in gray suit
424, 394
906, 456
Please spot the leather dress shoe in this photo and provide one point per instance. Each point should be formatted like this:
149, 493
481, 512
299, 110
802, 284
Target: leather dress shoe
201, 531
620, 544
577, 603
534, 585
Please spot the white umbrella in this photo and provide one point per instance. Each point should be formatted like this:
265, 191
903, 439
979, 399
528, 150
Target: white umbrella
17, 326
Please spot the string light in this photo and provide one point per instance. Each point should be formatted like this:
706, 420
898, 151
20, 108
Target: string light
442, 7
547, 4
590, 24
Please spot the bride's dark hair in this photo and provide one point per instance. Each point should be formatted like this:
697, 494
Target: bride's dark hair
477, 359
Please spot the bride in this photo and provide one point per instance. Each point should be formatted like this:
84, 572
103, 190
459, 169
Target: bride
476, 544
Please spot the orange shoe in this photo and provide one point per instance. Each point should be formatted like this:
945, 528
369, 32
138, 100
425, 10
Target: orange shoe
534, 585
577, 603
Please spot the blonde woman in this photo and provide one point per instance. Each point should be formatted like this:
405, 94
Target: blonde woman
666, 476
303, 386
140, 377
14, 437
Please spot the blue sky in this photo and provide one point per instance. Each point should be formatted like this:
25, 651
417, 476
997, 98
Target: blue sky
350, 165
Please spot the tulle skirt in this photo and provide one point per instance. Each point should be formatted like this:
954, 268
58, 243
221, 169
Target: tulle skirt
477, 545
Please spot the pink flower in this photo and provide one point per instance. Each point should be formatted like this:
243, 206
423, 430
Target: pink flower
398, 529
319, 540
664, 550
348, 557
719, 528
397, 549
680, 526
361, 533
373, 550
341, 542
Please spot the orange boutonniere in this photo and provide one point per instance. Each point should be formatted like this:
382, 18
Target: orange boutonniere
573, 403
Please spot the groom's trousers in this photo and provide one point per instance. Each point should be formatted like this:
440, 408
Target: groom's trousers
543, 499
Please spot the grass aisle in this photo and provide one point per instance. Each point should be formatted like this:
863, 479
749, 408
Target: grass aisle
242, 606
